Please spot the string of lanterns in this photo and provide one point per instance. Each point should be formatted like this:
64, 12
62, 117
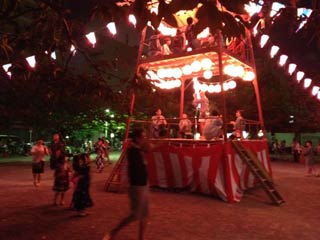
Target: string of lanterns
234, 71
283, 59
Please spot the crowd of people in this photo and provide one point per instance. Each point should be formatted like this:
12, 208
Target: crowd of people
77, 174
208, 125
184, 40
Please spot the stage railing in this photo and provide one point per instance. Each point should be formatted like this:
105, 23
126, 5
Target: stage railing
252, 128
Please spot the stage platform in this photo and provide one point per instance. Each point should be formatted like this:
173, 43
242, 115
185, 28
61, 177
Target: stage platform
207, 167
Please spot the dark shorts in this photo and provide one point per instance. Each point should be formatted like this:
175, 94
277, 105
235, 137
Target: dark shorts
38, 167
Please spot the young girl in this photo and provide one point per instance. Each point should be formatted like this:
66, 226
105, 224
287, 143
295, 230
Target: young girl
100, 150
61, 180
81, 196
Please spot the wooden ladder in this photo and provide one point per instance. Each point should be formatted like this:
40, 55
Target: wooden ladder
118, 180
258, 171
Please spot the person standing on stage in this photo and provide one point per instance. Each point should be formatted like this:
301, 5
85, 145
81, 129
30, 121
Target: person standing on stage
138, 185
185, 127
159, 125
201, 102
238, 125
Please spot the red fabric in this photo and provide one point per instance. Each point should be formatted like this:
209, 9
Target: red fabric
213, 169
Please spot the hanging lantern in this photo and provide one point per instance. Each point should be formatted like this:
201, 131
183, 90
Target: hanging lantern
307, 82
315, 90
161, 73
248, 76
6, 67
112, 28
274, 51
31, 61
264, 39
206, 63
292, 68
196, 66
177, 73
207, 74
283, 59
132, 19
53, 55
300, 75
92, 38
186, 70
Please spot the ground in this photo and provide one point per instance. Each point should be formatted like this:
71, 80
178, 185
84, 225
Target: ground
27, 211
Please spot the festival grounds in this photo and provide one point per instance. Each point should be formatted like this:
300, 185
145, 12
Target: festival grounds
27, 212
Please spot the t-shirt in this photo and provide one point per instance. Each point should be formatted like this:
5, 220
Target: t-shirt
38, 153
137, 171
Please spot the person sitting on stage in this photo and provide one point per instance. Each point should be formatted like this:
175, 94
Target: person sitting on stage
213, 126
166, 46
185, 127
155, 48
238, 125
159, 125
201, 102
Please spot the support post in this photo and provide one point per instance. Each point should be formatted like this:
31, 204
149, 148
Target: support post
223, 96
133, 96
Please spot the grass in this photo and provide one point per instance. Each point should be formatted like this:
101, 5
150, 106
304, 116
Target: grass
114, 156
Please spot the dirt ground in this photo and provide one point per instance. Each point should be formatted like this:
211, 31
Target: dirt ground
27, 211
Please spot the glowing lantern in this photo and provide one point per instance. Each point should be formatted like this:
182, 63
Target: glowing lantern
238, 71
206, 63
307, 82
31, 61
248, 76
207, 74
211, 88
177, 73
264, 39
229, 70
232, 84
218, 88
204, 87
315, 90
161, 73
292, 68
53, 55
300, 76
6, 67
283, 59
252, 8
274, 51
225, 86
187, 70
196, 66
112, 28
92, 38
275, 8
133, 20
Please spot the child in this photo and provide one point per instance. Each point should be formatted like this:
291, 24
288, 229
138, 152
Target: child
75, 177
81, 196
309, 159
61, 180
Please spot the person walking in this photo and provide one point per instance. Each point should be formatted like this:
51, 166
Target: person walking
57, 145
138, 186
308, 154
38, 152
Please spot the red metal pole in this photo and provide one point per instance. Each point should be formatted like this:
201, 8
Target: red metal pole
133, 96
